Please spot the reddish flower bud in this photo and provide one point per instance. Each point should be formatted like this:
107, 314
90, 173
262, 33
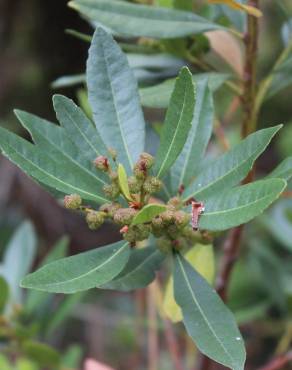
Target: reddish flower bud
101, 163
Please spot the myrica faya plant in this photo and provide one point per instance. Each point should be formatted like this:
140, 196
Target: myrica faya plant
172, 200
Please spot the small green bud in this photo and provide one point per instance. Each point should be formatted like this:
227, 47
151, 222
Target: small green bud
191, 235
112, 190
94, 219
137, 233
124, 216
110, 208
72, 201
164, 245
152, 185
113, 153
175, 202
113, 175
173, 231
139, 172
167, 217
147, 159
134, 184
181, 218
157, 227
101, 163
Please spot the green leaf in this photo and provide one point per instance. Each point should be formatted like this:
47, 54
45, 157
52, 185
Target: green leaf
18, 259
158, 96
79, 128
4, 293
113, 96
68, 81
147, 213
208, 321
34, 298
201, 258
80, 272
46, 170
177, 123
143, 20
281, 77
41, 353
283, 170
184, 168
139, 271
4, 363
54, 140
239, 205
231, 167
183, 4
123, 182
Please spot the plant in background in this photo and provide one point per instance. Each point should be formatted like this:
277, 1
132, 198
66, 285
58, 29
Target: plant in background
163, 205
28, 321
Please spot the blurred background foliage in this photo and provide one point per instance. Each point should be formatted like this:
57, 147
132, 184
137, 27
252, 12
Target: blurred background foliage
35, 52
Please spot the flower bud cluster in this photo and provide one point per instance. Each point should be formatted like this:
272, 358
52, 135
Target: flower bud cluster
171, 227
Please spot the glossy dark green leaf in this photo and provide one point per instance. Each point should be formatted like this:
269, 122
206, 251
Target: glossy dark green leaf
143, 20
283, 170
158, 96
185, 167
46, 170
231, 167
147, 213
114, 99
79, 128
239, 205
4, 293
139, 271
80, 272
177, 123
208, 321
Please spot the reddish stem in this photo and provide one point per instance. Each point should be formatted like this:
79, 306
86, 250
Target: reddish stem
278, 362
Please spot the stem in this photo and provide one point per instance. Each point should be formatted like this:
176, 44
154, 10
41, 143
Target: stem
278, 362
250, 69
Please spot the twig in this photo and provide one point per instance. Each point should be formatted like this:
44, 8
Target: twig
278, 362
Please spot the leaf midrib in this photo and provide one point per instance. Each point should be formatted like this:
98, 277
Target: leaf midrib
80, 131
92, 196
200, 309
243, 206
115, 106
242, 163
64, 154
175, 134
197, 19
87, 273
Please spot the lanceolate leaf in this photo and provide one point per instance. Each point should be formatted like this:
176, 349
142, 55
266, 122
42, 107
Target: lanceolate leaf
184, 169
53, 140
283, 171
4, 293
143, 20
139, 271
231, 167
158, 96
241, 204
208, 321
123, 182
79, 128
37, 164
177, 123
80, 272
201, 258
113, 95
147, 213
